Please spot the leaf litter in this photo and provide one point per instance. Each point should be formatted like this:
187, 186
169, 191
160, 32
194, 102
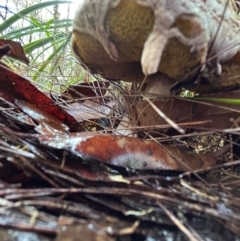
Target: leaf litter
59, 180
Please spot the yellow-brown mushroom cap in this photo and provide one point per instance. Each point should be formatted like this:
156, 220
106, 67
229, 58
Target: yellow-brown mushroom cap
122, 39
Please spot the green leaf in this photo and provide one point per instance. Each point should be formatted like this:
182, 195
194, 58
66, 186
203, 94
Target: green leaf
50, 22
28, 48
50, 58
35, 22
34, 29
218, 100
7, 23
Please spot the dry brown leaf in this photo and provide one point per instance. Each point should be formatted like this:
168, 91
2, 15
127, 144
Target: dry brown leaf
16, 50
210, 116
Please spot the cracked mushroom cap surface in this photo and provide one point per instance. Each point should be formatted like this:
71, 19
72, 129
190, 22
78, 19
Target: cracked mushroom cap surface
127, 39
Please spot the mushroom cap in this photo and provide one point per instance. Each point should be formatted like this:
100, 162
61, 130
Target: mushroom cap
127, 39
127, 25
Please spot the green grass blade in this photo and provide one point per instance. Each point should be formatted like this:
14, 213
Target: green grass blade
50, 58
218, 100
35, 29
7, 23
28, 48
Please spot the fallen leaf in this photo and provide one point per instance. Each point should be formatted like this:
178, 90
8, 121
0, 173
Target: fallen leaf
14, 86
128, 152
5, 49
16, 50
89, 110
184, 110
48, 124
92, 89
